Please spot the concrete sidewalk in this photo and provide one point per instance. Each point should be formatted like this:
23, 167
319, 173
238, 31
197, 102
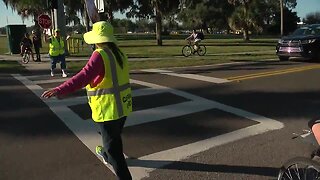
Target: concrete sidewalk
44, 58
44, 65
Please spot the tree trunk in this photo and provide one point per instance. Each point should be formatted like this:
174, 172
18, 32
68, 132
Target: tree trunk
110, 16
158, 28
246, 28
246, 34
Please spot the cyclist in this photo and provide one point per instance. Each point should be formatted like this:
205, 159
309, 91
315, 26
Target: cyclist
195, 39
26, 44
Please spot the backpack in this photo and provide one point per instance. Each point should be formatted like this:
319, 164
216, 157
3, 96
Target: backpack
200, 35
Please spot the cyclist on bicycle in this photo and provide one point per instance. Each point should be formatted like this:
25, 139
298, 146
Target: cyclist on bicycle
195, 39
26, 44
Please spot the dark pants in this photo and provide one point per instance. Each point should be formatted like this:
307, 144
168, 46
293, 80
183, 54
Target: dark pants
56, 59
112, 147
37, 49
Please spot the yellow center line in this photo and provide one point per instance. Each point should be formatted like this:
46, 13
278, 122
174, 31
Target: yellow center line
272, 73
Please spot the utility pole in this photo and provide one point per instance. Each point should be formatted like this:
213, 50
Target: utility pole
60, 21
281, 14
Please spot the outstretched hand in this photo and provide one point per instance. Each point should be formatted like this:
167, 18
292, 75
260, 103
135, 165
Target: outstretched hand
49, 93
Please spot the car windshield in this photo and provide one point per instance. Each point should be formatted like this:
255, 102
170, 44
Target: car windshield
315, 30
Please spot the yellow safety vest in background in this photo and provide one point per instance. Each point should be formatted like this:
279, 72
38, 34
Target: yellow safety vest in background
56, 48
111, 99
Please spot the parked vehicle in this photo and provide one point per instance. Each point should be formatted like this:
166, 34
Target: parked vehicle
303, 42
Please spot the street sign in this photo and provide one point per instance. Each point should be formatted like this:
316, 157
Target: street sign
44, 21
99, 5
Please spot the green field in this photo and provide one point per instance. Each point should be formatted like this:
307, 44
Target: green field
218, 51
140, 47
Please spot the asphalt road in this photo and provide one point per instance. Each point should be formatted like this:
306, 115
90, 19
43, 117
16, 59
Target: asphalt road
232, 121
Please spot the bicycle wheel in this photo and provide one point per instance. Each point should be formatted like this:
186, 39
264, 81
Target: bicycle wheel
25, 58
300, 168
202, 50
186, 50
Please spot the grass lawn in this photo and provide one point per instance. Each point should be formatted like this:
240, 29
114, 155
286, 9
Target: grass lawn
218, 51
171, 47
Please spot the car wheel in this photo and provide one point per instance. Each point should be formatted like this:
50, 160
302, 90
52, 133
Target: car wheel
283, 58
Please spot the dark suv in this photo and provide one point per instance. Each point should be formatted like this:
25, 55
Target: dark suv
303, 42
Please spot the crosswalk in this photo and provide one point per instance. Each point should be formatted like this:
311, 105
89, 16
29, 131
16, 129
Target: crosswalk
140, 167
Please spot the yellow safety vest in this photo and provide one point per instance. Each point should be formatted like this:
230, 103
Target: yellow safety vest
111, 99
56, 48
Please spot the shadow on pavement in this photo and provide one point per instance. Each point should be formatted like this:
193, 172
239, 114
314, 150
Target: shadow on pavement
192, 166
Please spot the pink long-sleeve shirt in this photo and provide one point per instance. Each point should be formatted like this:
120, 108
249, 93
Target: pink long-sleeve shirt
92, 73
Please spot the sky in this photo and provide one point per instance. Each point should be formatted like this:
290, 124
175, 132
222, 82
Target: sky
10, 17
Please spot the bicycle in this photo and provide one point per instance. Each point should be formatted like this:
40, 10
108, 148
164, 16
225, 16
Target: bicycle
26, 56
301, 168
188, 49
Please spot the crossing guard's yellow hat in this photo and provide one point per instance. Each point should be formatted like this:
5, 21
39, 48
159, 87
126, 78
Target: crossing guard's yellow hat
101, 32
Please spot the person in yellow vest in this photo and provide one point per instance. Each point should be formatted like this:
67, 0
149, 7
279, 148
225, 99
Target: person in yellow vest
106, 78
57, 53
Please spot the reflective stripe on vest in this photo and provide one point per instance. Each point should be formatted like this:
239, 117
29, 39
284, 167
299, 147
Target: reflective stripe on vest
112, 90
116, 89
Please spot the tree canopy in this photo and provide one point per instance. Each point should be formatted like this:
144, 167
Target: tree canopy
246, 16
312, 18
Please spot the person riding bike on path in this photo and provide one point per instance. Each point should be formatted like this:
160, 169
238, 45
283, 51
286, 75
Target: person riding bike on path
26, 44
195, 38
57, 52
36, 44
106, 78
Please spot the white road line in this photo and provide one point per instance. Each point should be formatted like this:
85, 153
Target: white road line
216, 65
141, 167
38, 76
166, 112
83, 99
146, 92
69, 101
50, 81
167, 89
86, 131
189, 76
